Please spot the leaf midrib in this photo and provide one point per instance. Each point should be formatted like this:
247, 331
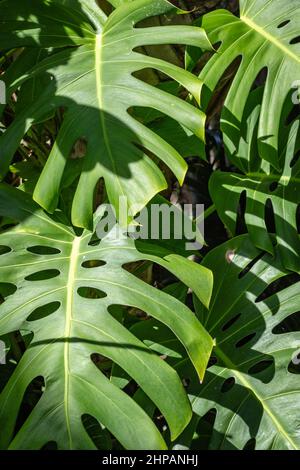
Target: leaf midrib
99, 85
68, 325
230, 365
270, 38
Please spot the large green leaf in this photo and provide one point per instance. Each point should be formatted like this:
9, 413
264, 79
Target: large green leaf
265, 36
95, 83
250, 394
65, 290
270, 194
253, 385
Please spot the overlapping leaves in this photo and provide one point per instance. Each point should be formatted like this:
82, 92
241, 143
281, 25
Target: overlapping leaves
65, 292
249, 398
271, 196
264, 39
94, 81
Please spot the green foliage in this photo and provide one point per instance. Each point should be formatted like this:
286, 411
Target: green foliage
271, 195
65, 290
122, 343
96, 85
264, 37
251, 385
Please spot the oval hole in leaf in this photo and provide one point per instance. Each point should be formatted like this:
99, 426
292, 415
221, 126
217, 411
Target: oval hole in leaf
43, 311
95, 241
43, 250
7, 289
91, 293
43, 275
245, 340
4, 249
250, 445
284, 23
93, 263
231, 322
228, 384
260, 366
295, 40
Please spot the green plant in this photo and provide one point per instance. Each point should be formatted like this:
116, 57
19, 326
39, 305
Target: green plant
250, 393
66, 290
271, 196
114, 342
95, 82
264, 39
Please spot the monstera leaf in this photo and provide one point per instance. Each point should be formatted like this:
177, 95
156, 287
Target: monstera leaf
249, 397
65, 289
271, 196
94, 81
253, 385
266, 36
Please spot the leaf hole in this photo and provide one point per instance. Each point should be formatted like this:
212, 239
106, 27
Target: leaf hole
91, 293
231, 322
43, 250
294, 365
43, 275
95, 241
283, 24
6, 289
228, 384
51, 445
261, 366
278, 285
269, 217
4, 249
295, 40
250, 445
94, 263
288, 325
98, 359
44, 311
242, 342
